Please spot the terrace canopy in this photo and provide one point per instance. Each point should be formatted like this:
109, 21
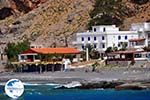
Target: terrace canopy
33, 52
40, 59
52, 51
127, 55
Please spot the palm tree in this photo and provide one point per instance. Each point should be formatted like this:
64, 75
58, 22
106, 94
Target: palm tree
93, 53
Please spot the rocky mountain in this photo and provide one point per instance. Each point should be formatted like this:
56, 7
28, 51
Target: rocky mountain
141, 12
54, 22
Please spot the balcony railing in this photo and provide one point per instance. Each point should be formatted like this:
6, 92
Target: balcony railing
119, 59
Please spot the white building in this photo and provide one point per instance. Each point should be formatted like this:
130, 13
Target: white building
144, 35
104, 36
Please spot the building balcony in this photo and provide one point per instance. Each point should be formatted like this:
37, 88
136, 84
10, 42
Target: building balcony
137, 46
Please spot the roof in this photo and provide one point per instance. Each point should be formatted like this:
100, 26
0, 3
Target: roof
30, 51
126, 52
136, 40
52, 51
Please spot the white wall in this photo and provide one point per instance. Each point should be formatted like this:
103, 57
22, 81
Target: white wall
105, 28
110, 37
140, 26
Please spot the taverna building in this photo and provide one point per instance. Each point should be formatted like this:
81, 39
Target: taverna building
104, 36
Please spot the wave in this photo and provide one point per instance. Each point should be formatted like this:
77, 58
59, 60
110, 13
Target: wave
35, 84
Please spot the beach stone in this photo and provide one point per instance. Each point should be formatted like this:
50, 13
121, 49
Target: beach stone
129, 87
90, 85
101, 84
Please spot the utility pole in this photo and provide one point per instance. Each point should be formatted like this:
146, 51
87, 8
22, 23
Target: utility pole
87, 54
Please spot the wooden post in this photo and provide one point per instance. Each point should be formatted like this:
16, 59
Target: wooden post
21, 68
46, 67
62, 67
40, 69
53, 68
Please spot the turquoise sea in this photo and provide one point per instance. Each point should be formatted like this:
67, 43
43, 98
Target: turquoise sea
47, 92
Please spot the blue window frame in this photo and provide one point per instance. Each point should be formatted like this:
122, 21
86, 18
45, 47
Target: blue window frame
126, 37
104, 29
95, 46
103, 38
82, 46
94, 38
119, 37
94, 29
82, 38
88, 38
103, 45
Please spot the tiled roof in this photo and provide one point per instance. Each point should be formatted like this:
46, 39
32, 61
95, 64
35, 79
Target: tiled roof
136, 39
52, 51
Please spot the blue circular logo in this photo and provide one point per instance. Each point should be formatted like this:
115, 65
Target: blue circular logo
14, 88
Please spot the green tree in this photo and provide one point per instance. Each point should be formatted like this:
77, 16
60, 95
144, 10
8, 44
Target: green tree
115, 49
109, 49
13, 49
124, 46
83, 55
90, 47
93, 53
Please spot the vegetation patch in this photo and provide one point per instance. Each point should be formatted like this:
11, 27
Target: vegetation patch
108, 12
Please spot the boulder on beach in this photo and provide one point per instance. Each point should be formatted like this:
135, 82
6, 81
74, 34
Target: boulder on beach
101, 84
129, 87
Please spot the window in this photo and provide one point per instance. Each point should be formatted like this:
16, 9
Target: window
138, 56
82, 46
94, 38
104, 29
126, 37
103, 38
32, 47
118, 44
95, 46
94, 29
82, 38
119, 37
22, 57
37, 57
103, 45
88, 38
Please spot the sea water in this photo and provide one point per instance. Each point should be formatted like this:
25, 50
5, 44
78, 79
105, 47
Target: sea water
48, 92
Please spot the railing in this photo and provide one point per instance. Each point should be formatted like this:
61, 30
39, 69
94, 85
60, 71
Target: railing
41, 62
119, 59
138, 46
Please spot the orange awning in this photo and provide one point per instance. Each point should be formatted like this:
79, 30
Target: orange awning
52, 51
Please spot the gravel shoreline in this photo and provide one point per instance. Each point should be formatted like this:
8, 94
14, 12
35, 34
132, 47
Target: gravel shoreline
125, 75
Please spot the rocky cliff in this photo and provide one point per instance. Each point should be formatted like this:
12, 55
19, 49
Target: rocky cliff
141, 12
54, 22
51, 22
